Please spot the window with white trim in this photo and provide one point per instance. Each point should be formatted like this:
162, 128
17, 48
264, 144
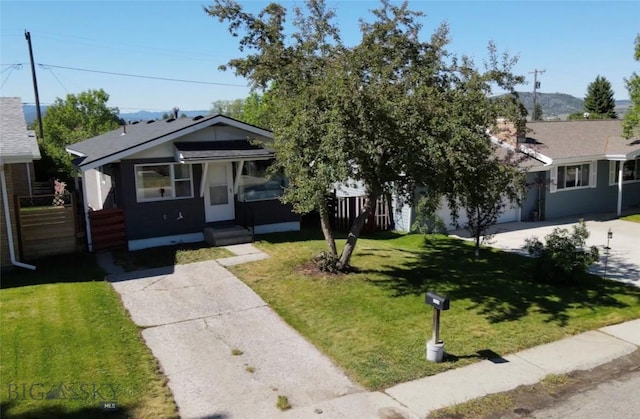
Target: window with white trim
574, 176
161, 182
630, 171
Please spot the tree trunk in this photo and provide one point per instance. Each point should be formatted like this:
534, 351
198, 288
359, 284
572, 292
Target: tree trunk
356, 228
389, 202
325, 224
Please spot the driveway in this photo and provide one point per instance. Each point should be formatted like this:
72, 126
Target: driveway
225, 352
623, 262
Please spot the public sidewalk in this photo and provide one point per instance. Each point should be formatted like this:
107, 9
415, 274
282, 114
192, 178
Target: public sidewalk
422, 396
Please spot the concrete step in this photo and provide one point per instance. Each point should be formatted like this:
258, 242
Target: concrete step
224, 236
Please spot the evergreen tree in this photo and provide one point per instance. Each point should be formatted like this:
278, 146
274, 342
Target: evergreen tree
537, 112
632, 118
599, 99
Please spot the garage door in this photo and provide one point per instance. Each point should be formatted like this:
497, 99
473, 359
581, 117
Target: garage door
510, 215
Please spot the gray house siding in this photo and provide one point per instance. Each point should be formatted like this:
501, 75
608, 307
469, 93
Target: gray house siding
530, 201
630, 195
602, 198
160, 218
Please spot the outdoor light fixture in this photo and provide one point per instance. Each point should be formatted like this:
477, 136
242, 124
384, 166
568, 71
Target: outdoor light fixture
607, 249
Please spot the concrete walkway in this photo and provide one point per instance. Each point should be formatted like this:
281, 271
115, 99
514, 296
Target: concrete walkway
623, 261
195, 316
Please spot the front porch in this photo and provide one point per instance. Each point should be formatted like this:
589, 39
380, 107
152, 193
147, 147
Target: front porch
225, 234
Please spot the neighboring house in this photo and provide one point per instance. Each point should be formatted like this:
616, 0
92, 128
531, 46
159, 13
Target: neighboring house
174, 178
18, 150
573, 168
583, 166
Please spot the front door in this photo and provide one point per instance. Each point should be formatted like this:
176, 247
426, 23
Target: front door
218, 197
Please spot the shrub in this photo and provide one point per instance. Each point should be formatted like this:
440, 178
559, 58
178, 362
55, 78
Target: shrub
427, 222
564, 256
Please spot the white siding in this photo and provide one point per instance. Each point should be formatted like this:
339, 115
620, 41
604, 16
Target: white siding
509, 215
402, 216
91, 179
349, 189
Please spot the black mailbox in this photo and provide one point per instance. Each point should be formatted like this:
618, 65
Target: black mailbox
436, 301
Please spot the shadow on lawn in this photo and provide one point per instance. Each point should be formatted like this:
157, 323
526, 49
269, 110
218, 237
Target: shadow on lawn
58, 412
75, 267
499, 285
309, 233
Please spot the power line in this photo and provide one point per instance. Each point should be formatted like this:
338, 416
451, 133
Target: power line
8, 75
144, 77
54, 75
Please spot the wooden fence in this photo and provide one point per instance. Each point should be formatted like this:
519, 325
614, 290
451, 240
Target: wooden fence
346, 209
108, 229
47, 229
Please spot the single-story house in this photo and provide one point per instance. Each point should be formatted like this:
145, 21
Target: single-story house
583, 167
573, 168
18, 150
178, 177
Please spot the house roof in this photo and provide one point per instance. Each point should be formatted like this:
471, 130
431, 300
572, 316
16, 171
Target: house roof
221, 150
17, 144
130, 139
570, 140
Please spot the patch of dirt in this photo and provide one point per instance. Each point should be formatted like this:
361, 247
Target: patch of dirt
528, 399
311, 269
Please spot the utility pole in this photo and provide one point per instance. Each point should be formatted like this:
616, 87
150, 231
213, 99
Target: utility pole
27, 36
536, 85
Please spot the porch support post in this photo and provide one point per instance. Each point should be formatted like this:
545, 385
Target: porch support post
236, 181
620, 188
205, 167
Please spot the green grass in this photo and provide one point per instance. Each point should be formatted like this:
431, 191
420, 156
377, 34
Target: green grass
64, 325
157, 257
634, 218
283, 403
374, 323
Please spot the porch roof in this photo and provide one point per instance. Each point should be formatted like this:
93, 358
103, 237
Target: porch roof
221, 150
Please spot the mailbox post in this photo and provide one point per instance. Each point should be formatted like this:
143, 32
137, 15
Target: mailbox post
435, 347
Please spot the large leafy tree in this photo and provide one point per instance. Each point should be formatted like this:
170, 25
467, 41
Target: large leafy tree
255, 110
230, 108
392, 111
632, 118
70, 120
599, 99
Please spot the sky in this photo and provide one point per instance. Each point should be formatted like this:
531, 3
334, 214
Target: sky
572, 41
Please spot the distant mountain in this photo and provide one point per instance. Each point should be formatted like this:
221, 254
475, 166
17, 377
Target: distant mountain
148, 115
561, 105
554, 105
30, 114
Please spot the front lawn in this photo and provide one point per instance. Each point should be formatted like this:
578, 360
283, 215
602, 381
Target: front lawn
68, 346
157, 257
374, 323
634, 218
